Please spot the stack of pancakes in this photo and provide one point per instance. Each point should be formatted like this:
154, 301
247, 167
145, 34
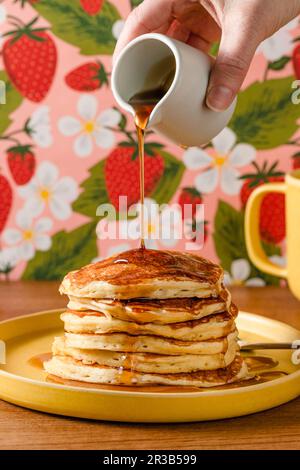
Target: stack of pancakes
148, 317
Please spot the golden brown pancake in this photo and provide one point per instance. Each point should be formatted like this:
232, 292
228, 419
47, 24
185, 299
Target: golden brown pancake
147, 317
160, 311
151, 344
140, 362
146, 274
71, 369
209, 327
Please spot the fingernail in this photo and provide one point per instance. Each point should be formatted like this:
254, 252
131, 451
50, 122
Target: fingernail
219, 98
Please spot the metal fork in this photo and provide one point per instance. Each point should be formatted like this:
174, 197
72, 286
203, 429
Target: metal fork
251, 346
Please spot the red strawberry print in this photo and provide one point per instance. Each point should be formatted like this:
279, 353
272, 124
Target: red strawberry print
272, 214
296, 161
200, 227
91, 7
21, 162
189, 196
30, 60
296, 60
87, 77
193, 197
122, 172
6, 196
23, 2
205, 230
196, 228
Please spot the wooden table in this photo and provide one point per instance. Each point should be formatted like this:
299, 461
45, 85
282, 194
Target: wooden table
278, 428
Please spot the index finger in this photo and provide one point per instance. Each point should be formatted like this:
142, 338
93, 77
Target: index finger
148, 17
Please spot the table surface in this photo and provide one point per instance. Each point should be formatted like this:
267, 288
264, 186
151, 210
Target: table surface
20, 428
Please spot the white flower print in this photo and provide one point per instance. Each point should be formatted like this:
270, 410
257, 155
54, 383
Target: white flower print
279, 260
39, 126
117, 28
2, 14
239, 275
9, 258
30, 236
90, 127
2, 20
279, 44
163, 225
221, 164
194, 230
47, 189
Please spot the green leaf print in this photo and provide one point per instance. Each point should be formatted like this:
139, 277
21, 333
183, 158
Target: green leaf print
229, 239
280, 63
94, 189
13, 99
170, 180
92, 34
214, 49
265, 115
69, 251
94, 192
135, 3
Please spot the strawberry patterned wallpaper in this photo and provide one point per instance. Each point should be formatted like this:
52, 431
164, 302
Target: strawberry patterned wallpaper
65, 148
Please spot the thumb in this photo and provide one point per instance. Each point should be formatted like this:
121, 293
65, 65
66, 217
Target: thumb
237, 48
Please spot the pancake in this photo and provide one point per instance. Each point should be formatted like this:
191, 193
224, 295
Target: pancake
151, 344
147, 317
69, 368
160, 311
209, 327
146, 274
147, 363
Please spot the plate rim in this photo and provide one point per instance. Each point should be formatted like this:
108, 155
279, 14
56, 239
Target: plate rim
210, 392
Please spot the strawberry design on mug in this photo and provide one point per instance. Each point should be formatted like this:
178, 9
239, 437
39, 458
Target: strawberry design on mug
296, 161
272, 214
296, 60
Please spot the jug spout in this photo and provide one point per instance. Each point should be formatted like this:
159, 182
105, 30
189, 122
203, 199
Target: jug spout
144, 71
155, 116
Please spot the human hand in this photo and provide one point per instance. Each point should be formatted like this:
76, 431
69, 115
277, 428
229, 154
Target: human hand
241, 25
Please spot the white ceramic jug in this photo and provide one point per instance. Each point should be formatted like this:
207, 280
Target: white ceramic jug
181, 115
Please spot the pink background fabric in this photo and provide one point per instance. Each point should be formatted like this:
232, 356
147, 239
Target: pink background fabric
62, 101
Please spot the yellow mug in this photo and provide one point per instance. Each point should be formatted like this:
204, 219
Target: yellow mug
291, 189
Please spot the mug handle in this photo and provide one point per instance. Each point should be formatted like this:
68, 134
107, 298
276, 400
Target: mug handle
252, 234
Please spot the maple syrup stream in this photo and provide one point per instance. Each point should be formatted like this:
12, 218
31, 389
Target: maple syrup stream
143, 104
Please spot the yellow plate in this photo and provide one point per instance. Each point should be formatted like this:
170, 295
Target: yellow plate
24, 384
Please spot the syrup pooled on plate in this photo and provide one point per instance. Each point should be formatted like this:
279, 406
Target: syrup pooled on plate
38, 361
261, 366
